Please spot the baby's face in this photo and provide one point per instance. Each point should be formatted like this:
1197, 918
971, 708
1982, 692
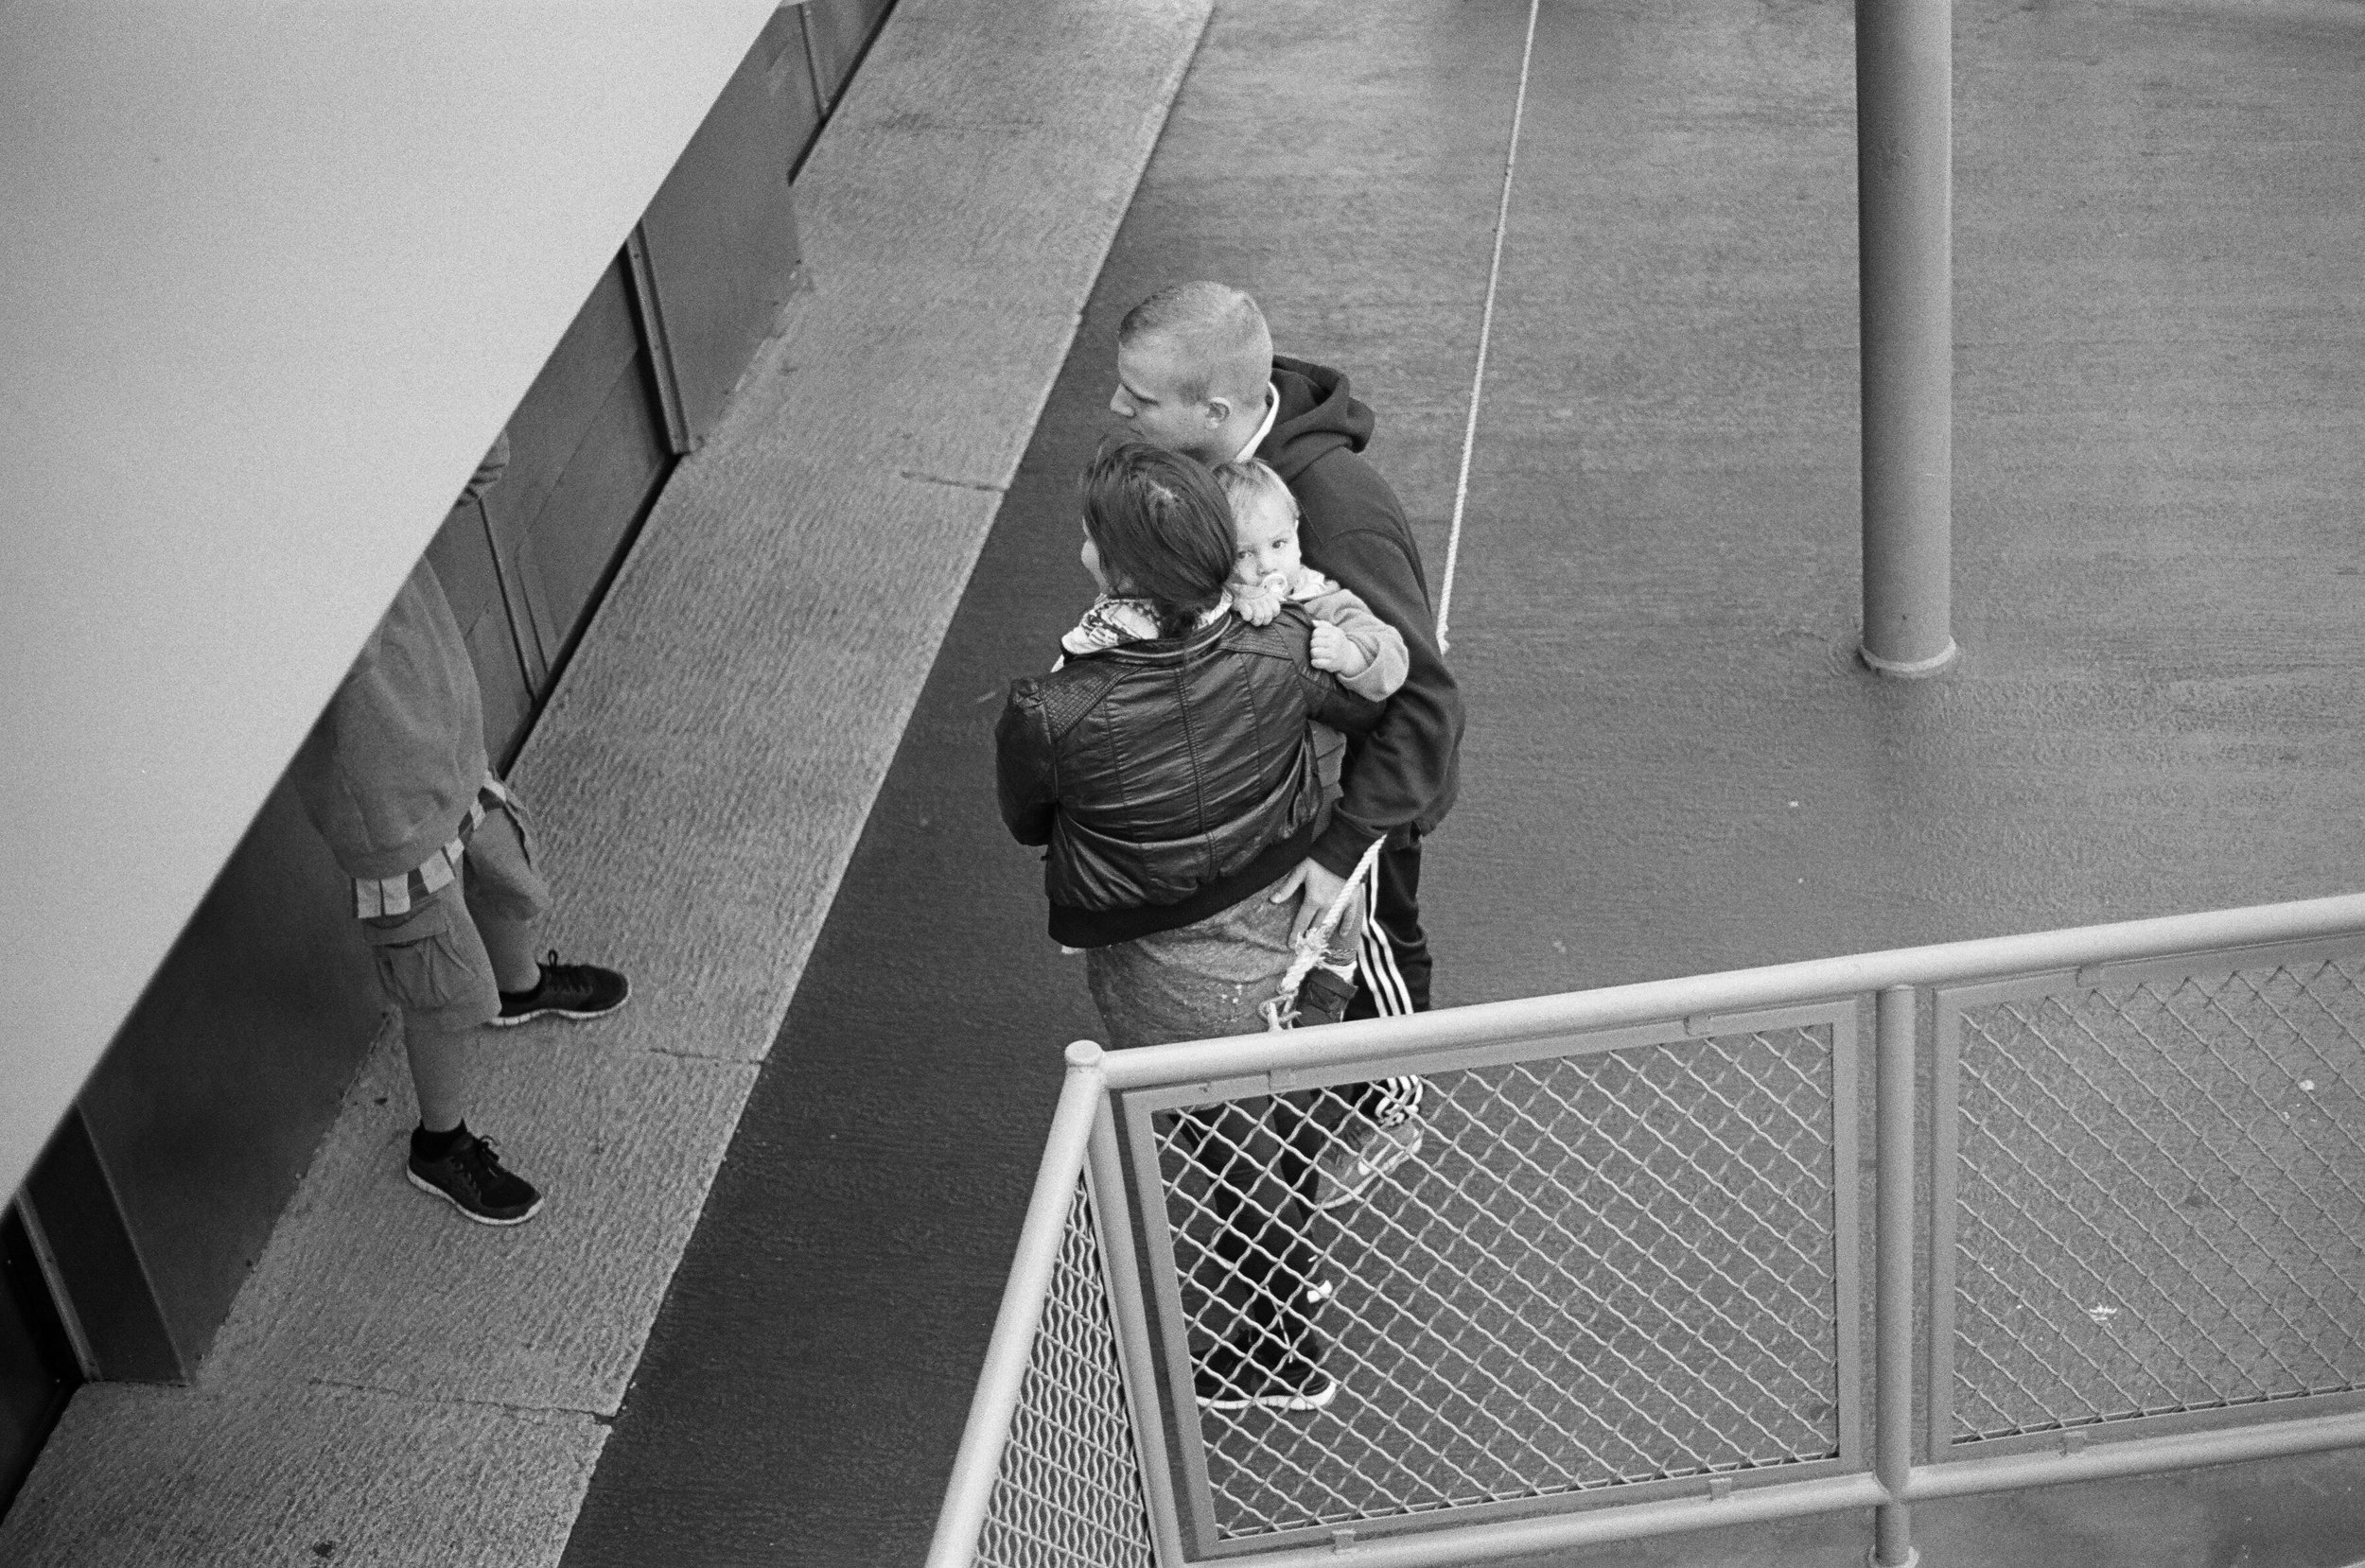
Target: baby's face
1265, 540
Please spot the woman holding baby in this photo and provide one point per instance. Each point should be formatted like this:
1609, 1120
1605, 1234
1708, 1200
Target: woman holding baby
1170, 765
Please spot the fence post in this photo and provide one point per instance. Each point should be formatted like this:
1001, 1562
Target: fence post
1136, 1357
1893, 1301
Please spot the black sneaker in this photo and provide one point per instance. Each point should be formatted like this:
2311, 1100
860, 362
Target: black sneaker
567, 991
469, 1178
1287, 1380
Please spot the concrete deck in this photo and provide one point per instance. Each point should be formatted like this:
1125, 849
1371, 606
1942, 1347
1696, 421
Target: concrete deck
397, 1385
2159, 708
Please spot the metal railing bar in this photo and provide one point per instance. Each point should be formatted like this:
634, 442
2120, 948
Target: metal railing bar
2104, 1461
1633, 1522
1453, 1545
1374, 1040
2249, 1411
978, 1462
2203, 1031
2179, 968
1187, 1458
1942, 1258
1848, 1236
1892, 1308
1137, 1359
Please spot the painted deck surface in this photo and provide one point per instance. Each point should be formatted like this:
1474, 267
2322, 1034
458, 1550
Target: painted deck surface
1673, 764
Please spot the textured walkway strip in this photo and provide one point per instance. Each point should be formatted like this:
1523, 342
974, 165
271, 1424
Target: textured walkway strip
396, 1385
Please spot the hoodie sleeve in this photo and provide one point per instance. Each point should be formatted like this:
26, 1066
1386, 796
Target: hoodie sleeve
1404, 774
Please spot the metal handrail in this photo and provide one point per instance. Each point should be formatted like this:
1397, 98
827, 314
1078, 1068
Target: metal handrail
1704, 1004
1365, 1041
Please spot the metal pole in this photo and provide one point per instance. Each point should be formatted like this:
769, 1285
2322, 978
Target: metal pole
1893, 1303
1905, 201
978, 1462
1136, 1357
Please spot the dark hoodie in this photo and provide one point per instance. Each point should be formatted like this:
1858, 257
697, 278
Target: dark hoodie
1404, 772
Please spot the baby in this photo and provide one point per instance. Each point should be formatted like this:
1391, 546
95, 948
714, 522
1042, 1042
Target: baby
1364, 651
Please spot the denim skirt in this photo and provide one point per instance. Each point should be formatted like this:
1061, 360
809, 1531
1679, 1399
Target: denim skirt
1195, 981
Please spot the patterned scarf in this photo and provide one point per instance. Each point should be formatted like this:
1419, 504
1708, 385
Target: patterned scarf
1113, 620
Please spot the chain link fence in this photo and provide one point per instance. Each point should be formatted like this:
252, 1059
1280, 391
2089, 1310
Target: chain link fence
1069, 1490
2159, 1200
1595, 1269
1623, 1255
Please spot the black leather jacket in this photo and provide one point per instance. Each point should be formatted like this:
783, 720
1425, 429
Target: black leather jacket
1170, 779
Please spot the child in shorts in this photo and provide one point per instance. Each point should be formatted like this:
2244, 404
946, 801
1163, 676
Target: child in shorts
445, 880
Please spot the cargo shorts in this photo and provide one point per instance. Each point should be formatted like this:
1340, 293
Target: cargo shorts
430, 960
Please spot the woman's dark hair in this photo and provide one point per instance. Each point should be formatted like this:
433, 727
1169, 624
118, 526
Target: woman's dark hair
1162, 528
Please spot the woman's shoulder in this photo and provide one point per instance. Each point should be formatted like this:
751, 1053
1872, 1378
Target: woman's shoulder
1286, 636
1065, 694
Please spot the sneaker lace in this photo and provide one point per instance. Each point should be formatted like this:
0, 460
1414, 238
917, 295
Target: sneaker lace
562, 982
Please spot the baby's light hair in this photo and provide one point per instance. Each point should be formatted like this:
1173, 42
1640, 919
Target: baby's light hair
1242, 482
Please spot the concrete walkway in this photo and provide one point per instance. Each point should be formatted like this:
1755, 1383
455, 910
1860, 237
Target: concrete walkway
396, 1385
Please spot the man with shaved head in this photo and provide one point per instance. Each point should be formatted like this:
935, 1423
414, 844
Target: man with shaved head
1197, 375
1194, 368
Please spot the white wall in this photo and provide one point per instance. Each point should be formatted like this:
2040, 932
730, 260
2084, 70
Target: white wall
271, 276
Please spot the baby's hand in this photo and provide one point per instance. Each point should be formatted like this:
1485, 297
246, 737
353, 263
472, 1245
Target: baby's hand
1259, 604
1336, 651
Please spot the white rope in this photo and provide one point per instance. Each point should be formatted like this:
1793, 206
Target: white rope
1486, 331
1315, 941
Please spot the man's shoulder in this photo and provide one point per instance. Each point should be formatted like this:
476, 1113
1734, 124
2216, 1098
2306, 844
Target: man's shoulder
1317, 415
1340, 493
1343, 465
1353, 530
